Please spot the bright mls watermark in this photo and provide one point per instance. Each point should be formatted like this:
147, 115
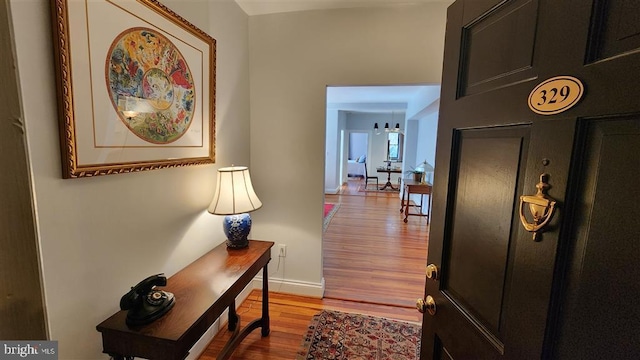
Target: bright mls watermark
29, 349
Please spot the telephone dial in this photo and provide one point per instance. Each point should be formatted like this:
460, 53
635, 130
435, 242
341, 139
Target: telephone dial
146, 303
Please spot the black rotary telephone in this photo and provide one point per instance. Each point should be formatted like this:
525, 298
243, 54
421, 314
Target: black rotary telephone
145, 303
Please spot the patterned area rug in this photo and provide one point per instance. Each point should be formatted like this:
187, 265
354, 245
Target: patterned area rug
343, 336
329, 211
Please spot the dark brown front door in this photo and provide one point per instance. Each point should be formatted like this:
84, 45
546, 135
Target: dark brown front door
572, 292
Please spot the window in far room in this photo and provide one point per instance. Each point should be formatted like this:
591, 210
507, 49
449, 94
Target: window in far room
394, 146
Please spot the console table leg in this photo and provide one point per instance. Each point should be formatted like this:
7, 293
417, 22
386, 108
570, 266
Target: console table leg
263, 322
120, 357
233, 316
265, 302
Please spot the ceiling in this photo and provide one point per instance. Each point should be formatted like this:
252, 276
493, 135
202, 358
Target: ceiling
262, 7
373, 99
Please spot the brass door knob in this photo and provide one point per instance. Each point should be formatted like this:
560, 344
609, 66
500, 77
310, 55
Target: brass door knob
432, 272
428, 305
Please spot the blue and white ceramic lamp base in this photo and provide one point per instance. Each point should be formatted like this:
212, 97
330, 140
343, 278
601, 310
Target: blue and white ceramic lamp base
237, 228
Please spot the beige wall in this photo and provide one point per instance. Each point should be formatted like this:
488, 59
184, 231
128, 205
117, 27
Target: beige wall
293, 57
99, 236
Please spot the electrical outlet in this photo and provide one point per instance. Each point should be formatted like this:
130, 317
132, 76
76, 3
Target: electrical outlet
282, 250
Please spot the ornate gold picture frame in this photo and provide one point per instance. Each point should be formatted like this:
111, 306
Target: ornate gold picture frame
136, 87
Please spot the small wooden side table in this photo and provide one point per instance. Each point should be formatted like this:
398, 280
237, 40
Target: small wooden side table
415, 187
203, 291
389, 171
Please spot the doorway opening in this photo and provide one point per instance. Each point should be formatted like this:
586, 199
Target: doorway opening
357, 144
369, 253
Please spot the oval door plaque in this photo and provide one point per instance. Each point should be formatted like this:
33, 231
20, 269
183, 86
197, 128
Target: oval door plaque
556, 95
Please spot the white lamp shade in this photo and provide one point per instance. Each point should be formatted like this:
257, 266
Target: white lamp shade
234, 192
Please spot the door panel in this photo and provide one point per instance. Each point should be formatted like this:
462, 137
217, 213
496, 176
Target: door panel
488, 170
607, 235
508, 26
441, 352
615, 28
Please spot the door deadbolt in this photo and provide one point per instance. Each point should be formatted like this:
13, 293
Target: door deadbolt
432, 272
428, 305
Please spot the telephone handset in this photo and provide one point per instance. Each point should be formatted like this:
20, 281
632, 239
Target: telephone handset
145, 303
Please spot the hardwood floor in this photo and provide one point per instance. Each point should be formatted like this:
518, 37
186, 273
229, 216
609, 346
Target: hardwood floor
371, 258
370, 254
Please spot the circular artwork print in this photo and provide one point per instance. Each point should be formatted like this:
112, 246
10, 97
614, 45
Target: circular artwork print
150, 85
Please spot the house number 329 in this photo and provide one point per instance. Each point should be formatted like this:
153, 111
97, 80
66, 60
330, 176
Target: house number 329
556, 95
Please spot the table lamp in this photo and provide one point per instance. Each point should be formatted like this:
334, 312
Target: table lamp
235, 198
425, 168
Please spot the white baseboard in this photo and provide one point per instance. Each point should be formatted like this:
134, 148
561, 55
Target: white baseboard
302, 288
332, 191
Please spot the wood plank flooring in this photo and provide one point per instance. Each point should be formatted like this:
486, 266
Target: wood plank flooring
371, 258
370, 254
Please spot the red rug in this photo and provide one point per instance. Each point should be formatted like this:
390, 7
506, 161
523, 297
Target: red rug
329, 211
343, 336
328, 208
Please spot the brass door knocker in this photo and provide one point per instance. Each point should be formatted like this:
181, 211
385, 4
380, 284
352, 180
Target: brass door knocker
541, 207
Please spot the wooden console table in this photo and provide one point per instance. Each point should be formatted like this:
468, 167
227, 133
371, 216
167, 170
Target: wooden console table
203, 291
415, 187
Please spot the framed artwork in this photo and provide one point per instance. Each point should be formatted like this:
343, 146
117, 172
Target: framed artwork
136, 87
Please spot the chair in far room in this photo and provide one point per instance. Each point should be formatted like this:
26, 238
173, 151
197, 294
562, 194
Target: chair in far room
367, 178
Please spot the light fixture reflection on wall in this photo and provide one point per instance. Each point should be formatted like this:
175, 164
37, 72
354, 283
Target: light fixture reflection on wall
235, 198
131, 106
129, 114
